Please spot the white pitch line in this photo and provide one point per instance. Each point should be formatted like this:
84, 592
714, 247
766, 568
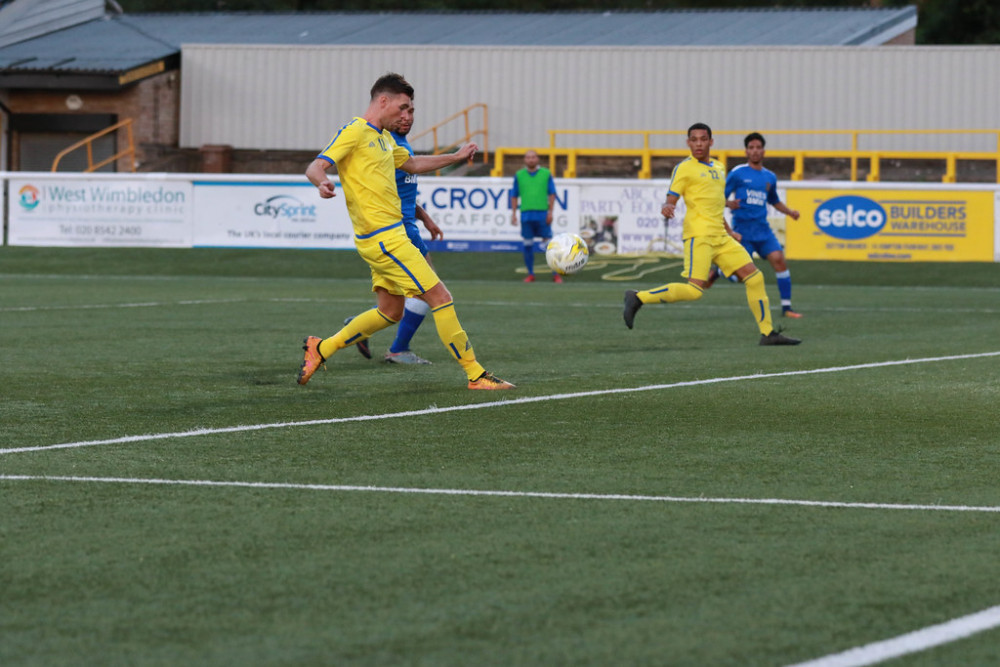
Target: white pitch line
483, 406
912, 642
504, 494
104, 306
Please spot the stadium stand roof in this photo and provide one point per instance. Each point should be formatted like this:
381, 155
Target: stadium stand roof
117, 49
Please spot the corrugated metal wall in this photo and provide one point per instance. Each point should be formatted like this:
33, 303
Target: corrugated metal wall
293, 97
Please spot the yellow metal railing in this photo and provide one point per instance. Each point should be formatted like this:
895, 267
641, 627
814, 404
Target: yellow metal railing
88, 142
646, 153
469, 135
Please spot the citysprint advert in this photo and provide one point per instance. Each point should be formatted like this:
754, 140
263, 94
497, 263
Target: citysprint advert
892, 225
259, 214
99, 212
474, 214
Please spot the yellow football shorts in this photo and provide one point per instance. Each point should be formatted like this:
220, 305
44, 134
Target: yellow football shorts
397, 265
701, 252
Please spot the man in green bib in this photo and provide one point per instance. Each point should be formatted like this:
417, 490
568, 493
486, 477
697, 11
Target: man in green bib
535, 190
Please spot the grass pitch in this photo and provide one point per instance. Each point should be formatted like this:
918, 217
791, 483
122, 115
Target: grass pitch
204, 509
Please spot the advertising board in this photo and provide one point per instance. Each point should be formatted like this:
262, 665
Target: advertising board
931, 225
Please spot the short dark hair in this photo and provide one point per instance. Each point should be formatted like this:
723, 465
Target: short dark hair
754, 136
393, 84
700, 126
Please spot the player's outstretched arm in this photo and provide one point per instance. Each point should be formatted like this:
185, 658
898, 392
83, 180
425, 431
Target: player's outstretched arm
421, 164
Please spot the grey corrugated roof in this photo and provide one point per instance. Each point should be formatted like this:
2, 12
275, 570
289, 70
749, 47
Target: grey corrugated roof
117, 43
25, 19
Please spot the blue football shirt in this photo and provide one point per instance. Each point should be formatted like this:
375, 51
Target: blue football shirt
406, 185
755, 189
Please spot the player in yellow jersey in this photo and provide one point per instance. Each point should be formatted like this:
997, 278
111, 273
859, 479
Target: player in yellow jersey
367, 158
708, 240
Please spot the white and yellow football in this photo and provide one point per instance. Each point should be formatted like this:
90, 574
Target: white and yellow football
566, 253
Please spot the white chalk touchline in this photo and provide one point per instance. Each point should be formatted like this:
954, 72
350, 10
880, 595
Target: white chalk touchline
481, 406
104, 306
500, 493
488, 304
912, 642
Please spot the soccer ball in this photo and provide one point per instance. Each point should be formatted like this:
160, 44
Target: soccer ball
566, 253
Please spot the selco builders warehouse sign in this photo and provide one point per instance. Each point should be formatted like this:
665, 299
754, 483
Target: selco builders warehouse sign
100, 212
892, 225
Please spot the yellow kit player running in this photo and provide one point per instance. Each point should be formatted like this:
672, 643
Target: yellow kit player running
367, 158
708, 240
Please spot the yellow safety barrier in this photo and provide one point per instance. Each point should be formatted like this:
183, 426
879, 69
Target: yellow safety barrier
129, 149
854, 154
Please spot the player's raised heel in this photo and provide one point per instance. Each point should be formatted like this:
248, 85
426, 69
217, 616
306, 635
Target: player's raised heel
632, 306
777, 338
788, 312
312, 359
489, 381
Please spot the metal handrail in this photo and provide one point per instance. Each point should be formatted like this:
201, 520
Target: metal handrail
89, 143
646, 154
469, 134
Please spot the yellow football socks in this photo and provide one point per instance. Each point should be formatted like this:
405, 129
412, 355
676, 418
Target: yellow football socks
359, 328
759, 304
455, 339
671, 293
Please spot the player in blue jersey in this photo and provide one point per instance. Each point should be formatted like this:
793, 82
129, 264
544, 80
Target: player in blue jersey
415, 310
750, 188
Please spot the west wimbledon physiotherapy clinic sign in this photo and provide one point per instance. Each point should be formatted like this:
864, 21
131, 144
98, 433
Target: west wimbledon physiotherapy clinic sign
96, 211
892, 224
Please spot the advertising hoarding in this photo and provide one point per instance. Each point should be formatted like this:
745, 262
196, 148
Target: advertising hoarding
931, 225
474, 213
84, 211
268, 214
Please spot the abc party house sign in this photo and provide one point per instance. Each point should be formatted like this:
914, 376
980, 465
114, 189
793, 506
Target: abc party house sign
891, 225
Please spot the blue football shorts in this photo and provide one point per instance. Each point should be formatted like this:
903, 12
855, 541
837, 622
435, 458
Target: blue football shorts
762, 243
534, 225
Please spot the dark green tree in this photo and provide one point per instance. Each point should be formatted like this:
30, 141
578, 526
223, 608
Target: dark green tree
967, 22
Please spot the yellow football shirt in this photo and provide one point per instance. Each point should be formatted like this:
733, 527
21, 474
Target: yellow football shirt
703, 187
366, 160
